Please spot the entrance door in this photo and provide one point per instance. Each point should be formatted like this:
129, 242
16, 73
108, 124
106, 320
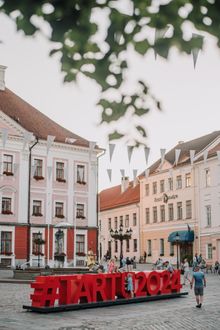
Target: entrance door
186, 251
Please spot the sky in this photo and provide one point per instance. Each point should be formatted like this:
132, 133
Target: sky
190, 97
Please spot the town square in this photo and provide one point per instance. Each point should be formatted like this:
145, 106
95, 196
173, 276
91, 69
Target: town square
109, 164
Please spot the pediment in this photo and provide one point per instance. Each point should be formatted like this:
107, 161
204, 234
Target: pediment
12, 125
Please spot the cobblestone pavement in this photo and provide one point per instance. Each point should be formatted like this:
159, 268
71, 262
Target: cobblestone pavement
179, 313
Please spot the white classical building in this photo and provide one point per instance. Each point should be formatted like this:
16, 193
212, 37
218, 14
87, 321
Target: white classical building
48, 187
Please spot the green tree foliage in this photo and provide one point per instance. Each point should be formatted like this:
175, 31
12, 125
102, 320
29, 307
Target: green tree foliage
75, 27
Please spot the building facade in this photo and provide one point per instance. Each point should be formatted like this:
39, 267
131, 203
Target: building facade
120, 208
48, 188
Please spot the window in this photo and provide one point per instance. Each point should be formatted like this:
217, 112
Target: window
171, 249
60, 172
161, 186
188, 209
80, 174
116, 246
134, 219
116, 222
121, 220
154, 188
127, 220
162, 213
109, 224
80, 211
36, 248
147, 189
170, 183
37, 208
154, 214
188, 180
127, 245
147, 215
7, 164
38, 174
6, 242
208, 215
179, 211
59, 210
80, 244
6, 205
209, 251
207, 177
161, 247
135, 245
170, 212
179, 182
149, 248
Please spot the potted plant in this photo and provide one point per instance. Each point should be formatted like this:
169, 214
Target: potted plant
8, 173
38, 177
8, 212
60, 180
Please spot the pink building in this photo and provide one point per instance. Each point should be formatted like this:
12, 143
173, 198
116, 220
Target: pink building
48, 188
120, 207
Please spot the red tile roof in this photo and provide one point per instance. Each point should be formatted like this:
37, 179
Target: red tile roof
113, 197
33, 120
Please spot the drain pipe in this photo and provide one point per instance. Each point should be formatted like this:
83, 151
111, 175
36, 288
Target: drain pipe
29, 201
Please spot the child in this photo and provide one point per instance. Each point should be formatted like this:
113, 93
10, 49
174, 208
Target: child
130, 288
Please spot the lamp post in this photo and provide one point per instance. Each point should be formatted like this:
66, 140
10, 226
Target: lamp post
121, 236
38, 254
177, 239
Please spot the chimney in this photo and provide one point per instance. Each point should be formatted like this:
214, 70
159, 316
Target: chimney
2, 77
124, 183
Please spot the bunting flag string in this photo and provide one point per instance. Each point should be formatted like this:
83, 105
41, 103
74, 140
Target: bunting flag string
111, 150
146, 153
109, 171
130, 151
4, 136
177, 155
50, 140
192, 155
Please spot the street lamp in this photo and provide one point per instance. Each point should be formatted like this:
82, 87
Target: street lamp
39, 245
177, 239
121, 236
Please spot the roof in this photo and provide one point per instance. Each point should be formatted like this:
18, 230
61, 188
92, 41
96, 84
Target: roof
113, 197
34, 121
198, 145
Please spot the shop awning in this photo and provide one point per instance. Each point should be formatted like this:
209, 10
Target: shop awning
184, 236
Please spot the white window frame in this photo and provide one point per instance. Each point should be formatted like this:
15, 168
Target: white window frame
42, 205
64, 208
188, 180
208, 250
84, 209
85, 172
43, 162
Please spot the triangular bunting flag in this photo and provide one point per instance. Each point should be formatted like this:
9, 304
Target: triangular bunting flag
49, 171
162, 153
50, 139
146, 173
146, 153
195, 51
122, 173
177, 155
205, 155
158, 35
111, 150
192, 155
134, 174
4, 136
130, 151
109, 171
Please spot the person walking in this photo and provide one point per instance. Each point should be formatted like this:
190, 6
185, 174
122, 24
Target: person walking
199, 281
130, 287
186, 271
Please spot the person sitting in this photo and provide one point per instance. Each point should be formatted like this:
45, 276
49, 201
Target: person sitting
168, 266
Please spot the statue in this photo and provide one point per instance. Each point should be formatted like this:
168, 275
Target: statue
90, 259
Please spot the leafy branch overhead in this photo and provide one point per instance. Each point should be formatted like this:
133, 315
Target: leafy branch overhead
98, 48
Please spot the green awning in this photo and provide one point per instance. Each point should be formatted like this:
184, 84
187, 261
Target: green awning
184, 236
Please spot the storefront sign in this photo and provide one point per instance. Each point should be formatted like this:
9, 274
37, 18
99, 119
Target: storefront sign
90, 288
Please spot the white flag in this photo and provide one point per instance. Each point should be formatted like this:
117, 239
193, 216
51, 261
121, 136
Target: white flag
205, 155
146, 173
130, 151
27, 138
109, 171
177, 155
218, 155
50, 139
146, 153
162, 153
135, 174
111, 150
195, 51
192, 155
4, 136
122, 173
49, 171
